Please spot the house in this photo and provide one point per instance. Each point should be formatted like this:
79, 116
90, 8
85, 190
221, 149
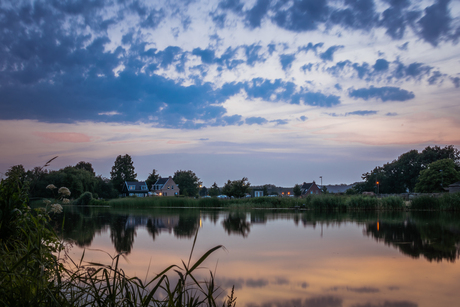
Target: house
165, 187
454, 187
309, 188
285, 191
135, 188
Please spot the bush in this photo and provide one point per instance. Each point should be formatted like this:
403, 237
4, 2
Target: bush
84, 199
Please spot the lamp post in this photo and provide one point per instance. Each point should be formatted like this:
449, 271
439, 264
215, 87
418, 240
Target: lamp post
321, 181
378, 187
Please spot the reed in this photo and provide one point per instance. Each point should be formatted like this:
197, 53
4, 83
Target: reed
97, 284
446, 202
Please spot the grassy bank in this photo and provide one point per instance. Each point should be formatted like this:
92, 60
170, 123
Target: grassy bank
341, 203
315, 202
447, 202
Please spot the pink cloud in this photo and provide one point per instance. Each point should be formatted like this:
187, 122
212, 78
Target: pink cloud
62, 137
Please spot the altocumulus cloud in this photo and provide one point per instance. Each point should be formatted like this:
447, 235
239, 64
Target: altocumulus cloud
61, 63
382, 93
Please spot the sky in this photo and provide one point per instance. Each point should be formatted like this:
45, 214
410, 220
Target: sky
277, 91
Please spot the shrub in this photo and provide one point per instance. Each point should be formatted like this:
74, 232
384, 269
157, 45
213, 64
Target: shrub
84, 199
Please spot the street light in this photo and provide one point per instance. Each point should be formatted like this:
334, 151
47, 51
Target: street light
321, 181
378, 187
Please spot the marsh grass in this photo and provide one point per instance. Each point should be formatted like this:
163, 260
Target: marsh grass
97, 284
315, 202
446, 202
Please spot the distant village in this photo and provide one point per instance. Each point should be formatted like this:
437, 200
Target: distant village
165, 186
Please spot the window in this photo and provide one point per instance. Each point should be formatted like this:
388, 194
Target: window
132, 187
168, 187
143, 187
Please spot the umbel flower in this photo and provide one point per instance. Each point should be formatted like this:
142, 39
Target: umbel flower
64, 191
56, 208
51, 187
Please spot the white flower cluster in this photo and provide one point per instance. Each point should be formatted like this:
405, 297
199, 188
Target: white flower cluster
51, 187
64, 191
56, 208
65, 201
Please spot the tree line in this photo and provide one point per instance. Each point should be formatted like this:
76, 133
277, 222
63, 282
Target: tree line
430, 170
82, 178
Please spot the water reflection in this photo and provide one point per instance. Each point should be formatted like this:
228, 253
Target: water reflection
235, 223
287, 258
433, 236
433, 241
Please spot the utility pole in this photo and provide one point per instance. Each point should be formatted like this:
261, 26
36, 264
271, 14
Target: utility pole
321, 182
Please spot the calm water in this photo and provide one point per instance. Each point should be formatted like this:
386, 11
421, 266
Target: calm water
287, 258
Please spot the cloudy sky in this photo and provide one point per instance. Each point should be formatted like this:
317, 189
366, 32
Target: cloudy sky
278, 91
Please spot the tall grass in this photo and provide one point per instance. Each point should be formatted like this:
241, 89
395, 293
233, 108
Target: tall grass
447, 202
96, 284
315, 202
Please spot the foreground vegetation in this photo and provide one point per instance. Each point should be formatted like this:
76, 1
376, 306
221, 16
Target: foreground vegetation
35, 269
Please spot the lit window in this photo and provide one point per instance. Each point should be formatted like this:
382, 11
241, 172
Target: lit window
132, 187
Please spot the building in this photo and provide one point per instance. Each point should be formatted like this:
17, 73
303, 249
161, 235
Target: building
309, 189
165, 187
135, 188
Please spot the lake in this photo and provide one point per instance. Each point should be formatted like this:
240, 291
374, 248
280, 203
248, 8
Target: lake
285, 257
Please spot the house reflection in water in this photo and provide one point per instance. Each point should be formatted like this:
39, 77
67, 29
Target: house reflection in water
163, 223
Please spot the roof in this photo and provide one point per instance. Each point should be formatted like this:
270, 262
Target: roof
456, 184
306, 186
161, 180
136, 183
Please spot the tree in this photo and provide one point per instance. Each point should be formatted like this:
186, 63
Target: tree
188, 182
76, 180
152, 178
203, 191
18, 173
436, 176
86, 166
214, 190
236, 188
401, 174
297, 190
122, 170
